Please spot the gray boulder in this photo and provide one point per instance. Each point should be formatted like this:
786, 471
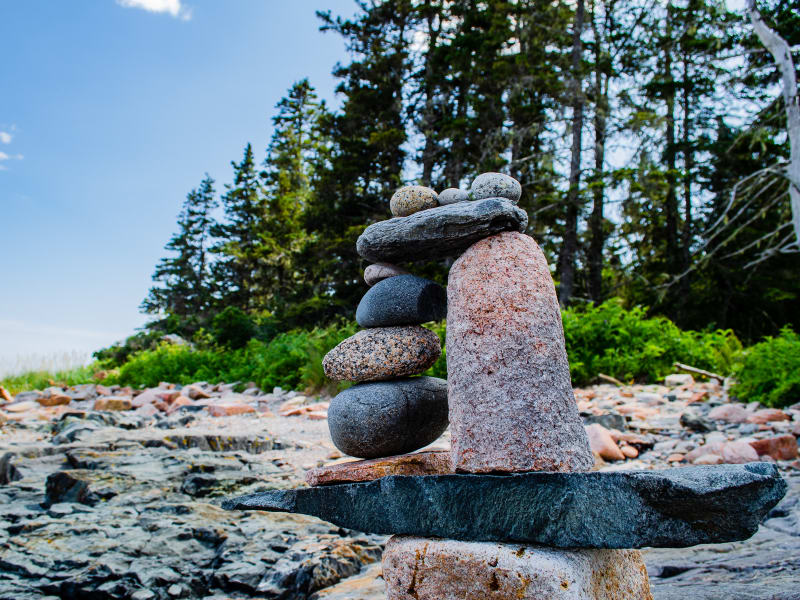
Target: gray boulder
371, 420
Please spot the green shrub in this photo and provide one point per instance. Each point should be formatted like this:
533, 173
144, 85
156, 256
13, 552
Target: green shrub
628, 345
118, 353
770, 371
232, 327
290, 360
439, 368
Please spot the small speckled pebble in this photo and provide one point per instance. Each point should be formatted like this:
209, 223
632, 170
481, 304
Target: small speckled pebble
411, 199
496, 185
380, 271
453, 195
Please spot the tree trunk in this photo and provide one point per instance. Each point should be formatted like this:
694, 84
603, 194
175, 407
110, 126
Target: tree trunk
429, 118
782, 55
595, 258
671, 202
688, 168
569, 247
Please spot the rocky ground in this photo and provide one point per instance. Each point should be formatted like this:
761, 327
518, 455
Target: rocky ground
115, 493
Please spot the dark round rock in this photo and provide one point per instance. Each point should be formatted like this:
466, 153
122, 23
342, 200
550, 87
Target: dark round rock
402, 300
372, 420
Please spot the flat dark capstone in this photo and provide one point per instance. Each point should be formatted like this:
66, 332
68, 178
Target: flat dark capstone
439, 232
624, 509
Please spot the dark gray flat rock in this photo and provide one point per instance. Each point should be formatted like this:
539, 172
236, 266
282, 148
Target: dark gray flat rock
402, 300
439, 232
634, 509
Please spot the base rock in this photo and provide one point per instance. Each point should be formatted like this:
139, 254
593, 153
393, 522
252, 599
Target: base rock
432, 569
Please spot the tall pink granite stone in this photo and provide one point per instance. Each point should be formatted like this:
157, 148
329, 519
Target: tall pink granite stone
510, 396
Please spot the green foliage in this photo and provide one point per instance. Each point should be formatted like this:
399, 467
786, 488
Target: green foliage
439, 368
232, 327
38, 380
770, 371
118, 353
291, 360
628, 345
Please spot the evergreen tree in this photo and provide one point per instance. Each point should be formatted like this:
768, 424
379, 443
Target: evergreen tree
239, 271
297, 149
366, 160
185, 295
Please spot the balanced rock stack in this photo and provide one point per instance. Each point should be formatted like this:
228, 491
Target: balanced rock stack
512, 510
389, 412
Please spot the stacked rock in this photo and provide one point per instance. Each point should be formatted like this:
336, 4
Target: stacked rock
389, 411
511, 511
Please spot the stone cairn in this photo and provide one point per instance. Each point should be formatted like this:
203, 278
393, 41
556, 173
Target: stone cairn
512, 510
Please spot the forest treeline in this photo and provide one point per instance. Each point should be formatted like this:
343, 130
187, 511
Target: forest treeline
646, 135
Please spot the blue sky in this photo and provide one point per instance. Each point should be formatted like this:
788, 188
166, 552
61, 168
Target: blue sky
110, 112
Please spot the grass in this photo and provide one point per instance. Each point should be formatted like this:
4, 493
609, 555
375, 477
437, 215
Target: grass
37, 380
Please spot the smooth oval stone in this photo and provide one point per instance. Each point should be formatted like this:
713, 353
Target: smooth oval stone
452, 195
402, 300
371, 420
380, 271
383, 353
439, 232
496, 185
511, 402
411, 199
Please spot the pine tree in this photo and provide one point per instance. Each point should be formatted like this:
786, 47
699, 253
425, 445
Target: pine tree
296, 150
366, 160
239, 270
185, 295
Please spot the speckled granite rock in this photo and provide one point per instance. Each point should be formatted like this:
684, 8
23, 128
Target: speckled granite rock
439, 232
383, 353
402, 300
432, 569
411, 199
623, 509
495, 185
436, 462
507, 365
371, 420
453, 195
380, 271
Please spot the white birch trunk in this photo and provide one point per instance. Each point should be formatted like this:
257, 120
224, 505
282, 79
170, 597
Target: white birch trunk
782, 55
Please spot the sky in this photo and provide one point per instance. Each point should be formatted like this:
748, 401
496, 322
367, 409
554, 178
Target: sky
110, 112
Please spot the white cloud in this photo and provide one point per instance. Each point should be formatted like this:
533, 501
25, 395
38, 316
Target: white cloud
170, 7
4, 156
5, 137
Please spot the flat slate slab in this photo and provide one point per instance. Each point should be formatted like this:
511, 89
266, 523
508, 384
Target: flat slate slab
439, 232
624, 509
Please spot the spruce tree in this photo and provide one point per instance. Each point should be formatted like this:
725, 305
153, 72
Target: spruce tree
185, 294
297, 149
239, 270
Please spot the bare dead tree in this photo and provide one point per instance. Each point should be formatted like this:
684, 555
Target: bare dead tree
782, 55
761, 190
